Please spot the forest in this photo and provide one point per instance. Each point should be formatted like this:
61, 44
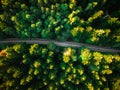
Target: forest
37, 66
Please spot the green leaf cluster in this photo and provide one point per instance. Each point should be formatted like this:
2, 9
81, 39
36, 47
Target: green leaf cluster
93, 22
49, 67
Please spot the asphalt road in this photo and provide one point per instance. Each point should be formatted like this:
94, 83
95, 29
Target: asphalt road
59, 43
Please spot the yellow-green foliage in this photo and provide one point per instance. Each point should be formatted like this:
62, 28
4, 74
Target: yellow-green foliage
66, 68
34, 67
91, 21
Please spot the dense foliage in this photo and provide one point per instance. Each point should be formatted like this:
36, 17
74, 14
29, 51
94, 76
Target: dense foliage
88, 21
49, 67
33, 67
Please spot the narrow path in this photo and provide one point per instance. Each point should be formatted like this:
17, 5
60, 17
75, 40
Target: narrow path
58, 43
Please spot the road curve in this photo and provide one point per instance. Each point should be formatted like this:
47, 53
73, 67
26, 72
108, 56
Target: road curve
59, 43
